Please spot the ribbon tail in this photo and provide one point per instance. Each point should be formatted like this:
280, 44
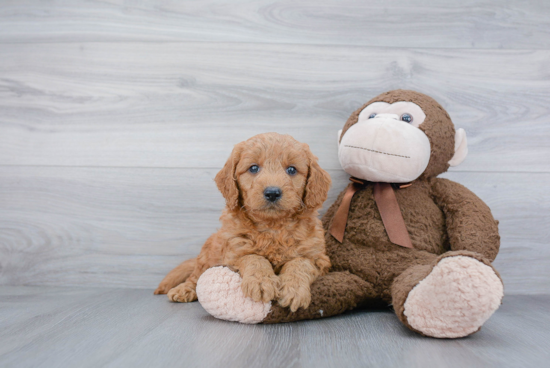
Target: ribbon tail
390, 212
340, 219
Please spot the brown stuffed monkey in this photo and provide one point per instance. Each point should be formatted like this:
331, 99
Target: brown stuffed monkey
397, 235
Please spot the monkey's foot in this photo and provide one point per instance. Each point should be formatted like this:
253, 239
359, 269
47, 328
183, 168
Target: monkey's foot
220, 294
455, 299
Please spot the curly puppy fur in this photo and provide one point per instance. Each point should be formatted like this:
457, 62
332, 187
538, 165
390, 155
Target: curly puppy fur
277, 247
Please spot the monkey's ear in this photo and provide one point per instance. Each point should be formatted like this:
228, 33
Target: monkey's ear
461, 148
226, 180
339, 135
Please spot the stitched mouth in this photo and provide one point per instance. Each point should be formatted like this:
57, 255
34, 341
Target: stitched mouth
371, 150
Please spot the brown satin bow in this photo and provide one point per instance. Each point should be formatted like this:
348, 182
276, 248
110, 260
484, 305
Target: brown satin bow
385, 199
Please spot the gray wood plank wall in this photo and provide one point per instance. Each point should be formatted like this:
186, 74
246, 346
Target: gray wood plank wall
115, 117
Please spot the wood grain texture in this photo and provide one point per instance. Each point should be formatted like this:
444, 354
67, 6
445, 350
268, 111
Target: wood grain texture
187, 104
54, 327
398, 23
127, 227
115, 116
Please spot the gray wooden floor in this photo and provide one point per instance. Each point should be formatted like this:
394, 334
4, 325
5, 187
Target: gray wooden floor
94, 327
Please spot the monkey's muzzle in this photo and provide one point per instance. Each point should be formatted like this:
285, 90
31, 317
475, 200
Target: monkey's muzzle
384, 149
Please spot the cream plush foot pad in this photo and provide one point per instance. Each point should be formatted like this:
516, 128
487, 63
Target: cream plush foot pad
455, 299
219, 292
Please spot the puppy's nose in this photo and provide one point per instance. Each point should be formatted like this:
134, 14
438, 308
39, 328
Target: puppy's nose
272, 193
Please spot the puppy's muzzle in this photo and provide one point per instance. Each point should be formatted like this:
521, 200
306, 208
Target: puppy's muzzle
272, 194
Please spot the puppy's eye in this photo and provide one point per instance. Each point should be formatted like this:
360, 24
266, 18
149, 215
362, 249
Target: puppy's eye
254, 169
291, 170
372, 115
407, 118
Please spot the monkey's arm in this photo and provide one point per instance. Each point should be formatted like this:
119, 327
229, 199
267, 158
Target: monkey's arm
331, 294
470, 224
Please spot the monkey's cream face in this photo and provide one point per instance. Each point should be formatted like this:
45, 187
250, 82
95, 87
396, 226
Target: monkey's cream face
386, 145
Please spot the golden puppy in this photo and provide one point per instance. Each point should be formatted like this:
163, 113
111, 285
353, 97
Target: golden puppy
270, 234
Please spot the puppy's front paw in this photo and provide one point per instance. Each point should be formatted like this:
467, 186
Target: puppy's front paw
261, 288
294, 295
182, 293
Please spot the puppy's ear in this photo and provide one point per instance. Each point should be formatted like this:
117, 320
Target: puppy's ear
318, 183
226, 180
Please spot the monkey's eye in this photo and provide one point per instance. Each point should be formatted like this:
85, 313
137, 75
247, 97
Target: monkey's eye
372, 115
407, 118
254, 169
291, 170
